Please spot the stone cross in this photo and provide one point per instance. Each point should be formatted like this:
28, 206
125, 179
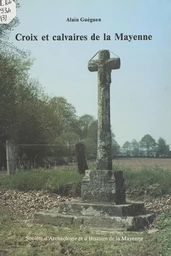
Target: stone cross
104, 65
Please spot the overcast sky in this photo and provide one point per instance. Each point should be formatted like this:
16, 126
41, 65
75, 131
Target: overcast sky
140, 89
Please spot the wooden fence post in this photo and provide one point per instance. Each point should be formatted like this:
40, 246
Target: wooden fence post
81, 159
11, 156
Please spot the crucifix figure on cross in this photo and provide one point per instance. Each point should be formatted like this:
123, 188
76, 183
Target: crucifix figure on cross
104, 65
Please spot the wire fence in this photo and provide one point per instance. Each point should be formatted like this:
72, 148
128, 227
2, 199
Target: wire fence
35, 155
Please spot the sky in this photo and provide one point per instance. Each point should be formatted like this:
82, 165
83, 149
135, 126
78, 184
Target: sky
140, 89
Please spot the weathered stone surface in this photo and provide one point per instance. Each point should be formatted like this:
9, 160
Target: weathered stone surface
54, 218
78, 207
110, 222
103, 186
98, 206
104, 65
120, 196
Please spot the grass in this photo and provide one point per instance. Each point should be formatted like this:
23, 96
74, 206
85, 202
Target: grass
54, 180
139, 183
163, 223
27, 239
148, 181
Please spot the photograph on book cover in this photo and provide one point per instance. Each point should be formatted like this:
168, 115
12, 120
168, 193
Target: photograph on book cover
85, 85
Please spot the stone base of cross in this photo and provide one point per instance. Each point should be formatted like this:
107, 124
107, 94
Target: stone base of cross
105, 186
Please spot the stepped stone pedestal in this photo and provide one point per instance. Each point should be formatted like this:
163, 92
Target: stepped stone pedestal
102, 205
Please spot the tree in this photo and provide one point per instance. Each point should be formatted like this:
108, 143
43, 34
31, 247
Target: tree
63, 114
13, 74
91, 141
58, 121
126, 148
27, 114
84, 123
162, 148
135, 147
69, 140
148, 144
5, 30
21, 103
115, 148
14, 66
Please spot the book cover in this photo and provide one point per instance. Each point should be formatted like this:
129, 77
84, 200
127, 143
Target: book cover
49, 101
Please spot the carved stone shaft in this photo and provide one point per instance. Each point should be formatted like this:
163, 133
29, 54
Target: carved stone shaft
104, 65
